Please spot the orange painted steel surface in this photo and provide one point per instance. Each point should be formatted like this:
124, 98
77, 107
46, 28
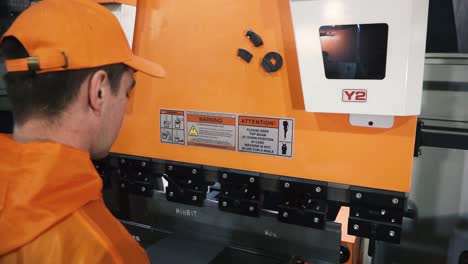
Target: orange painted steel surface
126, 2
197, 42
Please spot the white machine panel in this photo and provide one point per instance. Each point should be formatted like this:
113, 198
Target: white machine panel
126, 15
361, 56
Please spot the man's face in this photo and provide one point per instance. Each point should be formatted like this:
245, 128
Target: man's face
112, 116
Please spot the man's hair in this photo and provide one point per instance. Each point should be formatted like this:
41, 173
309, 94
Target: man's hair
47, 95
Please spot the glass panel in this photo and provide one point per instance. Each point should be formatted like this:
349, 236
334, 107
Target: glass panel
354, 51
447, 29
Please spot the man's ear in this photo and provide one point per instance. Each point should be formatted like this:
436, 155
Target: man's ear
97, 90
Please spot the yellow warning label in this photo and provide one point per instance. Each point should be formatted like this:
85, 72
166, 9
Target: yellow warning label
193, 132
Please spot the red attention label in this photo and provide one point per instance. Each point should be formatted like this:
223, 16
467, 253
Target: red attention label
354, 95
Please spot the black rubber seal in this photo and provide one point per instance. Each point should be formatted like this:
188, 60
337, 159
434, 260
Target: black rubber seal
254, 38
245, 55
268, 65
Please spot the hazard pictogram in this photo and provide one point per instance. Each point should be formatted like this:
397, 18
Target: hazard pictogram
193, 132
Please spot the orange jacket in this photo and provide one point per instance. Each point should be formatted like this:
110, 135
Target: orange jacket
51, 209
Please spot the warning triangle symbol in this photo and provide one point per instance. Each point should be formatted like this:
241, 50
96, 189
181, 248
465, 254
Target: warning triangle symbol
193, 132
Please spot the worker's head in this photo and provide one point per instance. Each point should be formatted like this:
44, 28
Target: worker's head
69, 64
96, 97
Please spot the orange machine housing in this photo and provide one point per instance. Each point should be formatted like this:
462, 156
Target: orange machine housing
354, 244
197, 43
126, 2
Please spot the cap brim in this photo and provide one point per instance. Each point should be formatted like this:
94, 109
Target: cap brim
146, 66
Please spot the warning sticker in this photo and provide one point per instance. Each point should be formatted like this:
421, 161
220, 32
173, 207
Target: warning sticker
172, 126
193, 132
213, 130
264, 135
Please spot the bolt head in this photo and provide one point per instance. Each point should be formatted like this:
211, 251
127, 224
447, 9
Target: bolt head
143, 189
286, 185
194, 198
252, 180
393, 220
316, 220
194, 171
224, 175
143, 163
356, 227
358, 195
189, 181
395, 201
251, 208
383, 212
171, 194
122, 185
318, 189
392, 233
122, 161
357, 214
285, 214
170, 168
224, 203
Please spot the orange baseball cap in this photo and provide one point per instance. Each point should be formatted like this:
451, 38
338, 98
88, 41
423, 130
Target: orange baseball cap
74, 34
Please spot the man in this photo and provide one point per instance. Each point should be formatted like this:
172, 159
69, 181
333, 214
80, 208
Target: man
70, 73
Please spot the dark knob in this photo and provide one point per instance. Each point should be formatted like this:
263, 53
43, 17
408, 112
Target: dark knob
344, 253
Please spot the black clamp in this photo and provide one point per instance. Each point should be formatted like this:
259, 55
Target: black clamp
245, 55
254, 38
268, 64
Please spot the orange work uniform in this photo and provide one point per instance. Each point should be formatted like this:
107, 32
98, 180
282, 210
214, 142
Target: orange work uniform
52, 211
